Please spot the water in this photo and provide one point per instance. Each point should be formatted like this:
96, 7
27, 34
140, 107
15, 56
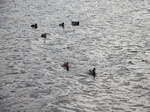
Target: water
113, 37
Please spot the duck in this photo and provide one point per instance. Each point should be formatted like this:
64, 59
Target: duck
35, 26
66, 66
130, 62
75, 23
44, 35
62, 25
92, 72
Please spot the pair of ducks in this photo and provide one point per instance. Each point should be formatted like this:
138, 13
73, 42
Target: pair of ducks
74, 23
43, 35
34, 26
90, 72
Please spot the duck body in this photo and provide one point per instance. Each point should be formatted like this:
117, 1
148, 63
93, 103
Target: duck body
75, 23
62, 25
66, 66
92, 72
35, 26
44, 35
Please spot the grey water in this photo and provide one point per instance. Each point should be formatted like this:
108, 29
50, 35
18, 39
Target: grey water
113, 36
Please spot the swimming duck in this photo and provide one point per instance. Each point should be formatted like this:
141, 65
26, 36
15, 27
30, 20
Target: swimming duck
44, 35
92, 72
75, 23
34, 26
62, 25
66, 66
130, 62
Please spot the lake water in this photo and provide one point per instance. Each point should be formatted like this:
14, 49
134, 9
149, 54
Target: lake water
113, 36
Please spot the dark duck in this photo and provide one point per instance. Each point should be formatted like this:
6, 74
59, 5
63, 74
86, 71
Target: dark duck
35, 26
75, 23
62, 25
44, 35
92, 72
66, 66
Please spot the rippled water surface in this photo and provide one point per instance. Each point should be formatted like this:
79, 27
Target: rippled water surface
113, 37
